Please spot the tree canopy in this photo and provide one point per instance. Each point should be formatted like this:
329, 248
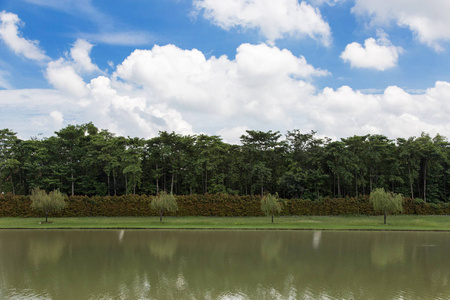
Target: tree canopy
84, 160
270, 205
386, 202
47, 203
164, 202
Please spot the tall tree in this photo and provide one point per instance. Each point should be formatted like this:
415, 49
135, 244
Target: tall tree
259, 149
71, 151
9, 165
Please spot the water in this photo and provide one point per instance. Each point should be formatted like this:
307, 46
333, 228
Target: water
146, 264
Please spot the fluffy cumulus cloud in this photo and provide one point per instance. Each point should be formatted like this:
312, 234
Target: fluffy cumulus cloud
66, 73
274, 19
427, 19
128, 115
173, 89
377, 54
395, 113
80, 54
261, 84
9, 33
64, 77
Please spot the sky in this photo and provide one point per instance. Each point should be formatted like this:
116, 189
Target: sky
137, 67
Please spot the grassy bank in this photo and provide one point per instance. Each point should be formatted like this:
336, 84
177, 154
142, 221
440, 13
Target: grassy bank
400, 222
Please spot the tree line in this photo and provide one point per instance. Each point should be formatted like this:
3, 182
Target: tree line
85, 160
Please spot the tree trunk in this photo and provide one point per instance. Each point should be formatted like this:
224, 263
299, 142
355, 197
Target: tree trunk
160, 216
12, 184
262, 187
385, 217
73, 185
109, 188
171, 184
272, 219
157, 181
126, 184
339, 187
46, 216
206, 181
425, 181
410, 181
134, 184
114, 180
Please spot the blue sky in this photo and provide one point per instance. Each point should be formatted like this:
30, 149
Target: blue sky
341, 67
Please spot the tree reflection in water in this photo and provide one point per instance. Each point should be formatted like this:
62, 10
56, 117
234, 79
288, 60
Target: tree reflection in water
145, 264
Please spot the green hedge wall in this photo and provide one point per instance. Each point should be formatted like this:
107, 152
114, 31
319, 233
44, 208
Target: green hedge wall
208, 205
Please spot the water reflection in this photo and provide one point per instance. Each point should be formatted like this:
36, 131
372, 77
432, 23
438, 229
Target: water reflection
163, 246
387, 249
271, 247
316, 239
47, 250
223, 265
121, 235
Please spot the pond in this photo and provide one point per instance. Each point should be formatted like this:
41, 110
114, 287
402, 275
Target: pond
151, 264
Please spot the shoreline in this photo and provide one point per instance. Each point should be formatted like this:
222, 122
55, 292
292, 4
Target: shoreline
306, 223
224, 229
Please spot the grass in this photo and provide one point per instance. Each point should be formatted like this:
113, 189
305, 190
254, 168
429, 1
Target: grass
400, 222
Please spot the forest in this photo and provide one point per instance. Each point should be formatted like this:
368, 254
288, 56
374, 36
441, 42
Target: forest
85, 160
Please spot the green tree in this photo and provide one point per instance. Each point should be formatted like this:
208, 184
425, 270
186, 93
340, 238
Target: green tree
164, 202
261, 151
69, 139
9, 165
387, 202
47, 203
270, 205
132, 161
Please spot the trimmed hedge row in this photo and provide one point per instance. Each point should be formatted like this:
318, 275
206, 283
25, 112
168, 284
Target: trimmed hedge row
208, 205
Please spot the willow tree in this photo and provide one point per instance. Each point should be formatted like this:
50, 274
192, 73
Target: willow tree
270, 205
164, 202
386, 202
41, 201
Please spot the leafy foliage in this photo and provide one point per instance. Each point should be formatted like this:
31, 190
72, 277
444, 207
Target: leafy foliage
164, 202
270, 205
386, 202
47, 203
83, 160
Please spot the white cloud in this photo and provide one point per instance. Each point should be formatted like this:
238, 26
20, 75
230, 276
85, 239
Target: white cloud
427, 19
262, 83
4, 82
9, 33
63, 77
345, 112
129, 115
274, 19
328, 2
57, 117
80, 54
124, 38
263, 88
232, 135
377, 54
64, 73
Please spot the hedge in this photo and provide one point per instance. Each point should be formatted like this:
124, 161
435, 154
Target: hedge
219, 205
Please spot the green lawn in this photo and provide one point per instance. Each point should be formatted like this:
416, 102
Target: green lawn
401, 222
